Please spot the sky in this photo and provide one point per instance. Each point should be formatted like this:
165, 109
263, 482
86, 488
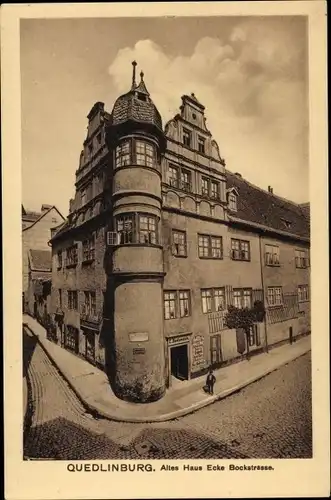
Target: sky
251, 74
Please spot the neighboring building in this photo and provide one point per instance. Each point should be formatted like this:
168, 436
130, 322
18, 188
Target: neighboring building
39, 283
36, 233
160, 240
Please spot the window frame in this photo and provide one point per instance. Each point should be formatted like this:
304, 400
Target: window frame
232, 202
201, 144
187, 133
88, 254
127, 153
178, 232
209, 246
72, 256
177, 181
272, 262
136, 228
302, 262
176, 301
274, 295
240, 293
90, 303
303, 293
240, 250
73, 300
211, 297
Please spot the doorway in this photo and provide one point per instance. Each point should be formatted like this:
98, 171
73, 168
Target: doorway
179, 362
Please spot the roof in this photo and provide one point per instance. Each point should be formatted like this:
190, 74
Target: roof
40, 260
136, 105
259, 207
38, 216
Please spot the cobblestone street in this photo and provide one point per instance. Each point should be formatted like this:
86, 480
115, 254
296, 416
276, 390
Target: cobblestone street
268, 419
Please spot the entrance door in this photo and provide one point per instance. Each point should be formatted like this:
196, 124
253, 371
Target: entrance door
179, 362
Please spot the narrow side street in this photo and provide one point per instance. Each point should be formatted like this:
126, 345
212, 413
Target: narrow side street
268, 419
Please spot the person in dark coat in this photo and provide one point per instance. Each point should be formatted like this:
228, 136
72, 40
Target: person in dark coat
210, 381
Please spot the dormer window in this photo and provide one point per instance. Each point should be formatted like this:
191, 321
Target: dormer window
286, 223
142, 97
232, 202
201, 145
187, 137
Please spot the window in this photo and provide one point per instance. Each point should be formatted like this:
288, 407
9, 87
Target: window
214, 190
126, 228
187, 137
242, 298
184, 304
179, 248
177, 304
240, 250
232, 202
180, 178
83, 195
145, 153
137, 228
59, 259
72, 338
72, 256
73, 299
210, 188
215, 349
54, 220
89, 308
185, 180
89, 249
201, 144
147, 229
205, 186
60, 298
301, 259
213, 299
210, 247
303, 293
272, 255
173, 176
254, 336
275, 296
123, 154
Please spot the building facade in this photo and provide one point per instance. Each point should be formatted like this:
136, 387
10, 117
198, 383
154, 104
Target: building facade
160, 240
36, 233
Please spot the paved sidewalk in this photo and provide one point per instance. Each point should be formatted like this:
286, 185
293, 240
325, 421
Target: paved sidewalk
92, 386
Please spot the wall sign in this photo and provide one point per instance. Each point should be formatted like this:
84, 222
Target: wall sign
138, 337
139, 350
198, 350
178, 340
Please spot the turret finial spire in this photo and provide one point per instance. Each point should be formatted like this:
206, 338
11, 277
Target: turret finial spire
134, 64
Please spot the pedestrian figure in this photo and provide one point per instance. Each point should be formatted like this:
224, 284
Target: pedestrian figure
210, 381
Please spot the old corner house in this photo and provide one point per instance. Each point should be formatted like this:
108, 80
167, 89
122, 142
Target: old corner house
161, 238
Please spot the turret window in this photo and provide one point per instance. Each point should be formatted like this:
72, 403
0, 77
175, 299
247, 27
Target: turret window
135, 152
137, 228
145, 154
123, 154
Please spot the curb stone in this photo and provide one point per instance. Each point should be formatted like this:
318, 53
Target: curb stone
167, 416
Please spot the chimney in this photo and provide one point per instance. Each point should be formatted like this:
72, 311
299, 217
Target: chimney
45, 207
238, 175
270, 190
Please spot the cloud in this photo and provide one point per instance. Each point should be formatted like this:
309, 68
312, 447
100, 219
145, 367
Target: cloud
254, 90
